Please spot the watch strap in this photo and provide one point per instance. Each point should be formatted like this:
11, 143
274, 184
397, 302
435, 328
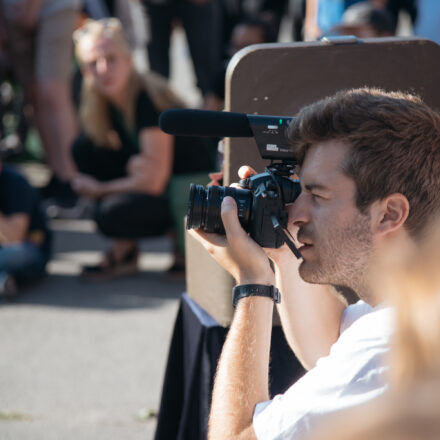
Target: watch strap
244, 290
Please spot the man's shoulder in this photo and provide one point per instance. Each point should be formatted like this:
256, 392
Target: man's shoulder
362, 312
353, 373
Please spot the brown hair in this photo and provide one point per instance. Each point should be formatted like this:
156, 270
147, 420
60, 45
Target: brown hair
394, 139
412, 284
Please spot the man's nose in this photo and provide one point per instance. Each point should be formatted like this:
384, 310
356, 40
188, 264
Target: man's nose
298, 211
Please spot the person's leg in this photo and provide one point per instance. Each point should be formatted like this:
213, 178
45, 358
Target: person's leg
54, 111
203, 27
125, 218
160, 17
24, 261
132, 216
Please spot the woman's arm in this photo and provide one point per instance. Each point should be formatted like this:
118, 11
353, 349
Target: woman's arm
147, 172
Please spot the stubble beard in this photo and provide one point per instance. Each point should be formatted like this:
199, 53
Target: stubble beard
341, 256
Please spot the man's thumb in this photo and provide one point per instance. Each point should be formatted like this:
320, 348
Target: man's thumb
230, 218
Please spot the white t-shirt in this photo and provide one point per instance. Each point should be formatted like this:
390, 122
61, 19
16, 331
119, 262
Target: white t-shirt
353, 373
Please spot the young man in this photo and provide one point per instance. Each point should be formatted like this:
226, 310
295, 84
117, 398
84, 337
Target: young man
370, 162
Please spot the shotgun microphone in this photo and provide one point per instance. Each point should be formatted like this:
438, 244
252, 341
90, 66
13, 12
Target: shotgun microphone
269, 131
205, 123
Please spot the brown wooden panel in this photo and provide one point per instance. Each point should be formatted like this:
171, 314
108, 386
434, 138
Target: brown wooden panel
278, 79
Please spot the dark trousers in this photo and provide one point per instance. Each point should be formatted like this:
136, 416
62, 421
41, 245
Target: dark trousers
127, 215
202, 24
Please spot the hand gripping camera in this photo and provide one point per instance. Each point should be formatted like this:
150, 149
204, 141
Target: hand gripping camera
263, 197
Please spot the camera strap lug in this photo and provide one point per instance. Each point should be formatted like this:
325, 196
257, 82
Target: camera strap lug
286, 236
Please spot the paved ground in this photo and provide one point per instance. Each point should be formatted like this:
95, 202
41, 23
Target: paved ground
86, 360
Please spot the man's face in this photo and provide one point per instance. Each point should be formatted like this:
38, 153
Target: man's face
336, 237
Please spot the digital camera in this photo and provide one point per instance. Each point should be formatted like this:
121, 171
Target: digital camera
263, 197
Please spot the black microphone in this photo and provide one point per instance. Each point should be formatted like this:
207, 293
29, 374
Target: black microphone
269, 131
205, 123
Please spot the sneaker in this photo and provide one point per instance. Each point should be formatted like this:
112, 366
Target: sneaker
65, 199
82, 209
111, 268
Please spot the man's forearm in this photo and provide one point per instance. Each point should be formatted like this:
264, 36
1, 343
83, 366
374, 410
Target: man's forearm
310, 314
242, 376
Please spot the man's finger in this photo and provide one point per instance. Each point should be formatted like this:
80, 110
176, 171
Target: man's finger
246, 171
208, 238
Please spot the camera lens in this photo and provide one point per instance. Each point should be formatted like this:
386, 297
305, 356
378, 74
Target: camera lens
196, 206
204, 207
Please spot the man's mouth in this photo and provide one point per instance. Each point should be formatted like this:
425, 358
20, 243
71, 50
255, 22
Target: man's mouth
305, 247
305, 242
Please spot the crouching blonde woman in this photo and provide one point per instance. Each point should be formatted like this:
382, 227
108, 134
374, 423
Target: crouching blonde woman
124, 160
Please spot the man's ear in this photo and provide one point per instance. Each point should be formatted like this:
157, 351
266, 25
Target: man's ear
390, 213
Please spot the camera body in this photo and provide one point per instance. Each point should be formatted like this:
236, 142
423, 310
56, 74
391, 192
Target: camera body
263, 198
261, 202
270, 195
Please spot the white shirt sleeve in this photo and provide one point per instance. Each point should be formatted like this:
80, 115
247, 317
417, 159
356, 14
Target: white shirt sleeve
353, 373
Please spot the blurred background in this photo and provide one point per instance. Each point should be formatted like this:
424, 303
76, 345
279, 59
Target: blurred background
87, 309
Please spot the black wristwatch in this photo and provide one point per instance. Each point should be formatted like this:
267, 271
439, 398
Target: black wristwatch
243, 290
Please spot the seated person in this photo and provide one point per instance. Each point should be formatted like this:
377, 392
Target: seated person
124, 160
24, 236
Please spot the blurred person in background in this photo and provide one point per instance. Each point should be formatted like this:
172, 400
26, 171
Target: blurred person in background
202, 22
364, 20
124, 160
39, 47
409, 280
24, 237
251, 30
323, 15
427, 24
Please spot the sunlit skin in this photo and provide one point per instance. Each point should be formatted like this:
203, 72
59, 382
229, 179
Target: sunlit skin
335, 237
108, 67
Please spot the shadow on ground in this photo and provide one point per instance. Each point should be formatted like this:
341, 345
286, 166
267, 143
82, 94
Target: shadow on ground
76, 243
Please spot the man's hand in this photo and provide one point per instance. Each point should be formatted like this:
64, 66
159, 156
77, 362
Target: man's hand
276, 255
236, 252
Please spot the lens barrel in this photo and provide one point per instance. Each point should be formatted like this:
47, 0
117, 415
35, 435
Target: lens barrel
204, 207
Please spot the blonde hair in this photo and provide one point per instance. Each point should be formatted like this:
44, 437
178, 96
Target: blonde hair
412, 283
410, 280
94, 111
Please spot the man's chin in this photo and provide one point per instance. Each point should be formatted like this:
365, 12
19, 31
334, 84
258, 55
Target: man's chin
311, 273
